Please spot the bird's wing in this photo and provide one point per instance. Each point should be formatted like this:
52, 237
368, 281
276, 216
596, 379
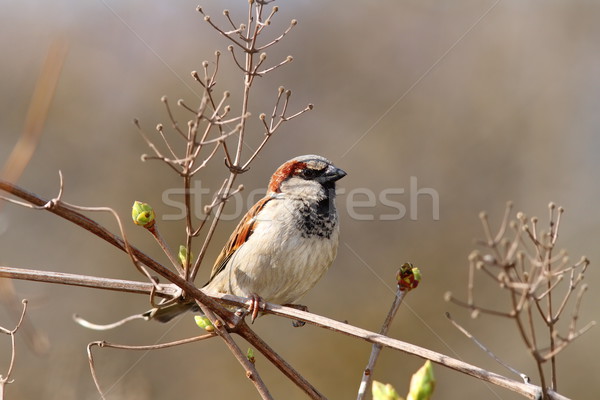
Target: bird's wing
239, 236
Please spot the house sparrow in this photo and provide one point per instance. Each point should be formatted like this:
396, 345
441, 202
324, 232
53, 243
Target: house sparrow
285, 242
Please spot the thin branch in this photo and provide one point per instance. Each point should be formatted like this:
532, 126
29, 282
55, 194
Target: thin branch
174, 123
102, 344
488, 351
165, 290
98, 327
6, 379
251, 371
287, 60
252, 338
222, 32
473, 307
367, 377
165, 248
293, 23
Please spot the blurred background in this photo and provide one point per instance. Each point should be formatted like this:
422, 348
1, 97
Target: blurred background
478, 102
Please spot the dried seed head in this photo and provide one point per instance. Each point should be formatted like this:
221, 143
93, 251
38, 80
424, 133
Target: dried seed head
474, 255
489, 259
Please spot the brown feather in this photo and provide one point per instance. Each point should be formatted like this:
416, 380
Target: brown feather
288, 169
239, 236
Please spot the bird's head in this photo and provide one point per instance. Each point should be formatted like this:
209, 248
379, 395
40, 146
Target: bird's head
306, 176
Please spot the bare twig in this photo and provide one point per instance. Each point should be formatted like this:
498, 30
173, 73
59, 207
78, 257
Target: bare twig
367, 377
407, 280
165, 290
249, 335
102, 344
6, 379
530, 269
488, 351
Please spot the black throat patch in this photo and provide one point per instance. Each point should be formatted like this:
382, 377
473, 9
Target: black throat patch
318, 219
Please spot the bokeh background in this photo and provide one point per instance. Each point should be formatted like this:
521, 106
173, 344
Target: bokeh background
482, 102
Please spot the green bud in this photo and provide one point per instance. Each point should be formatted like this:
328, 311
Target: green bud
422, 383
142, 214
204, 323
183, 255
408, 277
250, 355
382, 391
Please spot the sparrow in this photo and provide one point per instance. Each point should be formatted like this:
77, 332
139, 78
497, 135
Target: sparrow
285, 243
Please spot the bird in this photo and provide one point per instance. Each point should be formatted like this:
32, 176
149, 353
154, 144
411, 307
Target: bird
284, 244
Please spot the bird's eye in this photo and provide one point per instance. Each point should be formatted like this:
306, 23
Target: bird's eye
310, 173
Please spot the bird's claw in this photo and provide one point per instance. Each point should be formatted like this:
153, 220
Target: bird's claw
256, 304
297, 323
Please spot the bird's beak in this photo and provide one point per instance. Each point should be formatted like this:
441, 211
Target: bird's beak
332, 174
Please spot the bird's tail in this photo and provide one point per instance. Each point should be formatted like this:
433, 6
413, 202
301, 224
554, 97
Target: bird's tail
166, 312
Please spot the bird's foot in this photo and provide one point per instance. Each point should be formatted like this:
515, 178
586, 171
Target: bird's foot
256, 304
297, 323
